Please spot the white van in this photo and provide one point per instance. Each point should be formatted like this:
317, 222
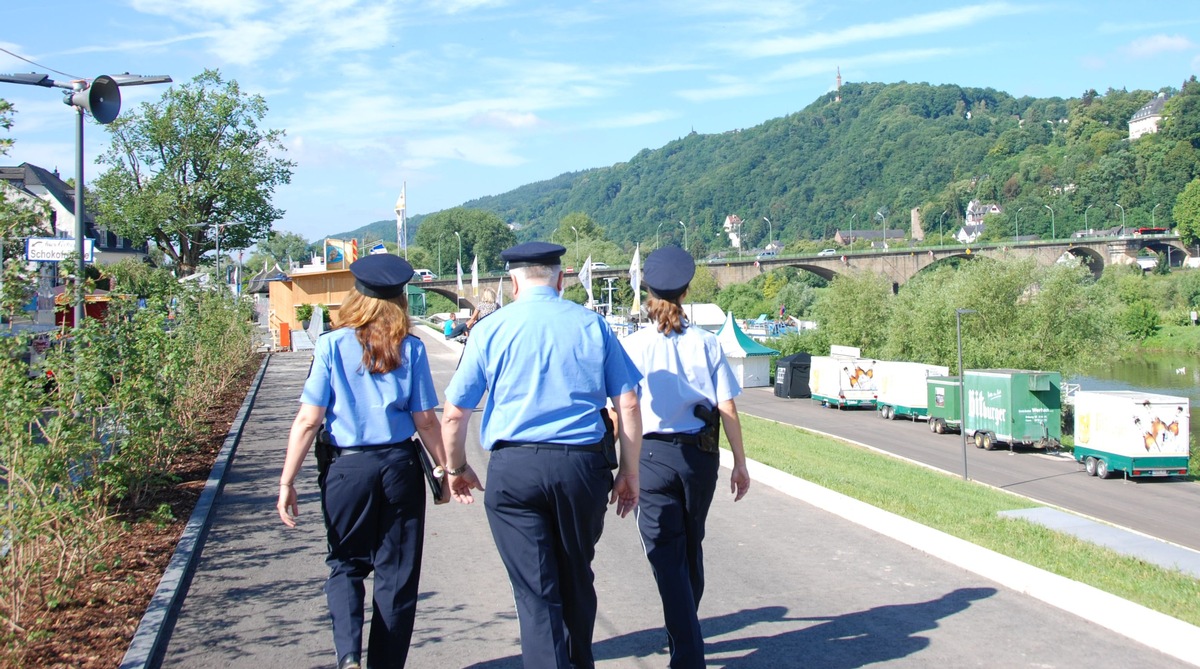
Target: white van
424, 274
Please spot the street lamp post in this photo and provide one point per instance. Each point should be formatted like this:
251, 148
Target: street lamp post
1118, 206
1085, 225
440, 272
850, 241
941, 229
1051, 219
657, 243
102, 98
770, 231
1152, 214
1017, 236
962, 400
685, 244
459, 247
576, 246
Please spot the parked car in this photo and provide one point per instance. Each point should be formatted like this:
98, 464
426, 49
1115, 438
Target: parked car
600, 265
765, 255
424, 274
828, 252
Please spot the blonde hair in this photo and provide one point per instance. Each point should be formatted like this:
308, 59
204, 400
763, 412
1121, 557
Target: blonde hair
667, 314
489, 295
380, 326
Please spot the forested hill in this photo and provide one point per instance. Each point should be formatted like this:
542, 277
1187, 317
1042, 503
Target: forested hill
888, 148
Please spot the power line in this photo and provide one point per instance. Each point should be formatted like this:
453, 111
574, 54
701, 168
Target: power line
19, 57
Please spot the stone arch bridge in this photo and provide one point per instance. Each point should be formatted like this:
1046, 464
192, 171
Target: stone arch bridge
900, 265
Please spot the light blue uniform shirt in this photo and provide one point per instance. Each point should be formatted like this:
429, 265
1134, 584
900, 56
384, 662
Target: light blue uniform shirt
547, 365
367, 409
680, 371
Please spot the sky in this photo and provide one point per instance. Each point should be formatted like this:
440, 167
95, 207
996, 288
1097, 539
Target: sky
458, 99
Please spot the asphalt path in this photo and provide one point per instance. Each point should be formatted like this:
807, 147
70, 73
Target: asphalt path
790, 584
1165, 508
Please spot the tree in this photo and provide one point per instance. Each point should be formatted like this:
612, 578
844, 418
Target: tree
1187, 213
20, 216
280, 248
854, 311
482, 234
194, 159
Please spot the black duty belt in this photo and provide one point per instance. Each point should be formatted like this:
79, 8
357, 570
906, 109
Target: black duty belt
597, 447
352, 450
674, 437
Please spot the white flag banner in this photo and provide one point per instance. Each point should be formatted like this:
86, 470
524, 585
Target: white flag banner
500, 293
475, 276
401, 219
460, 286
635, 281
585, 278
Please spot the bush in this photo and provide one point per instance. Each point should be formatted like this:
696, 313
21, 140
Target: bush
304, 312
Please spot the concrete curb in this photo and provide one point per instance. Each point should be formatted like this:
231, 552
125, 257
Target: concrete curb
1168, 635
149, 643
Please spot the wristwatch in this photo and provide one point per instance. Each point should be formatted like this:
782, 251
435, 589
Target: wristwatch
457, 471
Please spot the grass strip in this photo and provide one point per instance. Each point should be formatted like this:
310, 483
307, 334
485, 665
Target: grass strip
968, 511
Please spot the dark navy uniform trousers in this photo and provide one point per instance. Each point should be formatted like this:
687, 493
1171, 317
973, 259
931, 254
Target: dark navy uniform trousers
374, 505
677, 482
545, 505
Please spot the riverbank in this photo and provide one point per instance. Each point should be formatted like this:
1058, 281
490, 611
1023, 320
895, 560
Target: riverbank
1184, 339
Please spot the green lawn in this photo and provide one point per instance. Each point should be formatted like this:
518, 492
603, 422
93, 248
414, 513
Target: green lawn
968, 511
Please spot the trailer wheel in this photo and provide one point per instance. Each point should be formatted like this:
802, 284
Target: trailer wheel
891, 413
882, 412
1089, 465
1101, 469
978, 440
939, 426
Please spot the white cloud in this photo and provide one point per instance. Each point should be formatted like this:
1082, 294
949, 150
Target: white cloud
228, 10
729, 90
496, 118
634, 120
920, 24
462, 6
1110, 28
480, 150
1154, 45
248, 42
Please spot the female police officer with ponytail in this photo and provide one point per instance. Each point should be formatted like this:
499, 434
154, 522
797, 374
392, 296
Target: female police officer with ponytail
371, 387
686, 382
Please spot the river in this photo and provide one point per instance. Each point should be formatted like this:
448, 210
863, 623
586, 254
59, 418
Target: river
1175, 374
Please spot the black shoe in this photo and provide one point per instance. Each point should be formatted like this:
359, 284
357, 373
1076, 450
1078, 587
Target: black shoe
350, 661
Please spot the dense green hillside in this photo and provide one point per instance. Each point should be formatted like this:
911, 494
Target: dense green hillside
889, 148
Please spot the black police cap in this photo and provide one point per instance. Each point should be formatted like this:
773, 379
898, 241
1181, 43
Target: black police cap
381, 275
668, 271
533, 253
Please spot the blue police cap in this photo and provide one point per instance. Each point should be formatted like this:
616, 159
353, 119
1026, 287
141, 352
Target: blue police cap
381, 275
533, 253
668, 271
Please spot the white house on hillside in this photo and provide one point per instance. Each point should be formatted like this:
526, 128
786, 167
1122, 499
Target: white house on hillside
1145, 120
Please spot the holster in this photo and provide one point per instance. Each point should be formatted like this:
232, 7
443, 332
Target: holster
609, 440
324, 451
710, 434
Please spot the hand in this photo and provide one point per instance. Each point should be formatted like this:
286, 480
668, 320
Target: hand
739, 482
288, 508
461, 485
625, 493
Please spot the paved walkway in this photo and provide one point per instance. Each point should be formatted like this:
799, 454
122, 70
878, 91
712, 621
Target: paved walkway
798, 576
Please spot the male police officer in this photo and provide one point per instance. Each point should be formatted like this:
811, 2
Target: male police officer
548, 367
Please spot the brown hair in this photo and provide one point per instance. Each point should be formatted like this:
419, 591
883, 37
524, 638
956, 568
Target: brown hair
666, 313
380, 326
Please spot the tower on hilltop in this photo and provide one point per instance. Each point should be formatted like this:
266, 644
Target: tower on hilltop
838, 97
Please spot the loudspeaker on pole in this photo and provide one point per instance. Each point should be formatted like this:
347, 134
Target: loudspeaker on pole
102, 99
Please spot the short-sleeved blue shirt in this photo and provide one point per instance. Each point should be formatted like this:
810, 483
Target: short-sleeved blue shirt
367, 409
680, 371
547, 365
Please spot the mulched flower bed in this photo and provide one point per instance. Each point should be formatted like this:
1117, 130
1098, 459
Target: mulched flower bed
93, 627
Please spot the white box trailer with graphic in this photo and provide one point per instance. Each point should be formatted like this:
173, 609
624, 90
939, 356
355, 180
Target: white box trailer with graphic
902, 388
842, 379
1139, 434
1013, 406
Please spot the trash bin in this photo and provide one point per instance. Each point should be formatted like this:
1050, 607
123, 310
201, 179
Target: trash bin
791, 375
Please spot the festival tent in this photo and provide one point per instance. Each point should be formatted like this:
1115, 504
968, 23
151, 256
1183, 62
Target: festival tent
751, 361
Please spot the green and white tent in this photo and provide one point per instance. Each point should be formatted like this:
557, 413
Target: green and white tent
751, 361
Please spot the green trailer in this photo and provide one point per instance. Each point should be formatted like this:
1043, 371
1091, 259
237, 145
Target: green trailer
943, 404
1014, 407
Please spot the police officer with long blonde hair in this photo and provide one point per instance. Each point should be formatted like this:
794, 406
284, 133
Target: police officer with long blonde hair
686, 384
370, 388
